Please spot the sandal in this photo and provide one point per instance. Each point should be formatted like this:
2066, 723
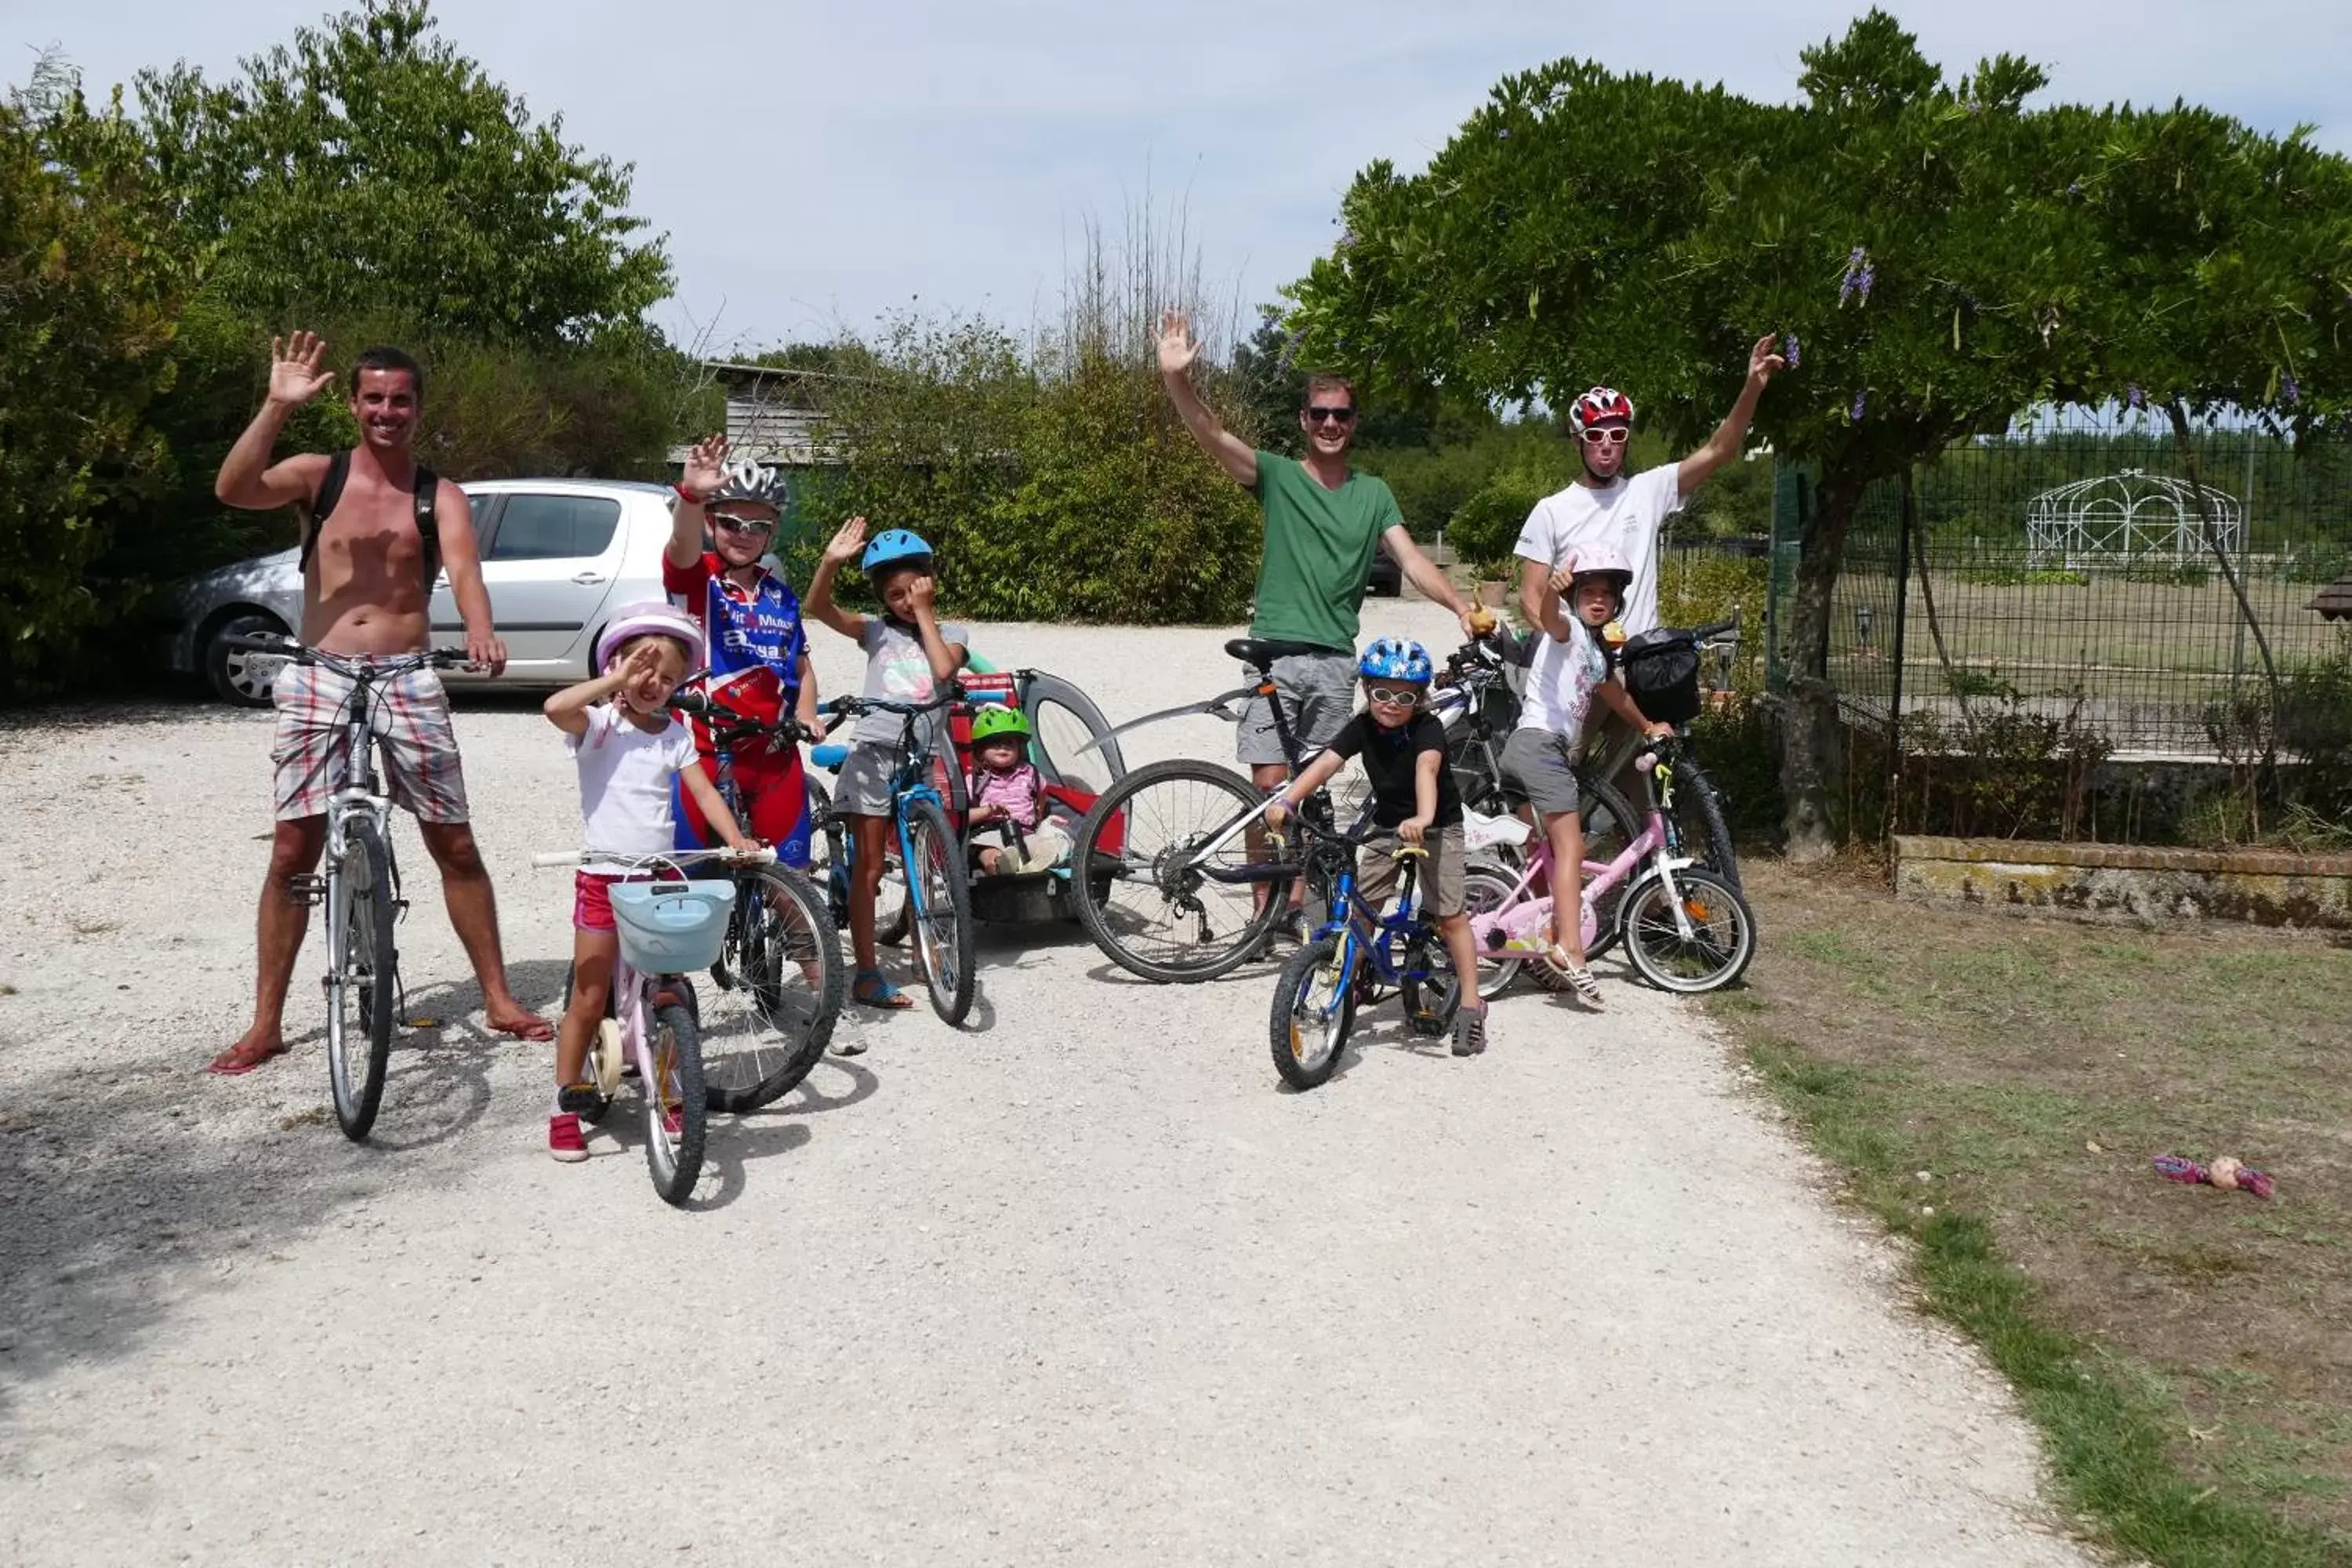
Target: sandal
871, 989
238, 1060
1469, 1031
1580, 979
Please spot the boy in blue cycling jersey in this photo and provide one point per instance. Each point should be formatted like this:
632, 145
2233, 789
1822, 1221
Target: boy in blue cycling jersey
757, 647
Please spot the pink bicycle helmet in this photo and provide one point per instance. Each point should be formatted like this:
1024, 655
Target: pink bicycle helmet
655, 618
1600, 402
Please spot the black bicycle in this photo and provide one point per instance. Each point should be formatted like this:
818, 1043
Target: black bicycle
361, 885
782, 952
1181, 881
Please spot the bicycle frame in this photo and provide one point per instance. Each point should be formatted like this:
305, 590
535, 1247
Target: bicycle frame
1522, 923
1364, 930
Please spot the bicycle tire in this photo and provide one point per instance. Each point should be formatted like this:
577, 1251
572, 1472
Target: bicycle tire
1485, 887
1717, 852
1095, 770
1099, 875
940, 911
756, 961
1321, 966
1650, 931
676, 1163
356, 1062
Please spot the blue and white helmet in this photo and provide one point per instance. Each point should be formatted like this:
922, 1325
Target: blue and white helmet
892, 546
1396, 658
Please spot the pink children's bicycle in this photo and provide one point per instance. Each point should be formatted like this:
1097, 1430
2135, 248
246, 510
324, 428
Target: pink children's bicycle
1685, 927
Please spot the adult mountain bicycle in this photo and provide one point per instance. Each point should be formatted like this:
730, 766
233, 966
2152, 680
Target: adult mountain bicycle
782, 954
360, 884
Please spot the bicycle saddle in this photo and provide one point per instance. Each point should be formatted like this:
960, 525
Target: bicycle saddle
1263, 653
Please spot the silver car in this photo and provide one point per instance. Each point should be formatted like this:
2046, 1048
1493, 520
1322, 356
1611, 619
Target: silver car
559, 556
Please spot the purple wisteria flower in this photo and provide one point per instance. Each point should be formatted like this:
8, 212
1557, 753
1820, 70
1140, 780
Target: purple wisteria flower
1859, 276
2134, 397
1794, 356
2290, 390
1503, 135
1860, 401
1348, 239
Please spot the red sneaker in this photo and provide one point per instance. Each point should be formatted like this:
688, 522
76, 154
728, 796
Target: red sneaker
564, 1141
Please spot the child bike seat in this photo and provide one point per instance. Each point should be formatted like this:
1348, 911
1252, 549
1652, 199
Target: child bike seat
829, 756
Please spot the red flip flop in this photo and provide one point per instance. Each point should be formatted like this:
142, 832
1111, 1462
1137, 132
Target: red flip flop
232, 1063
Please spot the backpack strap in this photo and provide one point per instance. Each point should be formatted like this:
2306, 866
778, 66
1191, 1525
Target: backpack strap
331, 490
427, 496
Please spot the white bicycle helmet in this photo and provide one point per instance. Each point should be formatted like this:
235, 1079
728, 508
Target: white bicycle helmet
655, 617
1606, 560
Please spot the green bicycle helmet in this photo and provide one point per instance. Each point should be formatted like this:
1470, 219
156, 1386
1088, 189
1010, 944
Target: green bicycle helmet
996, 722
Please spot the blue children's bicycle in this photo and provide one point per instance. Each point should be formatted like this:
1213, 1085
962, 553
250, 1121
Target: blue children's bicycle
1352, 956
938, 901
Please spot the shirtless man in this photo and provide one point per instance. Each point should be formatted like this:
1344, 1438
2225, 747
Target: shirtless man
365, 582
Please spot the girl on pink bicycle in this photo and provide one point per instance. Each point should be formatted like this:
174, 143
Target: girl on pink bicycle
1573, 664
629, 750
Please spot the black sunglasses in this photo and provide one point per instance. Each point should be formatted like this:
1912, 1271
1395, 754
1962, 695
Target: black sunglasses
1317, 415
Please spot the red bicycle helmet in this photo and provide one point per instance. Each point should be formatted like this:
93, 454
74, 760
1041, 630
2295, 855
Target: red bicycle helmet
1599, 404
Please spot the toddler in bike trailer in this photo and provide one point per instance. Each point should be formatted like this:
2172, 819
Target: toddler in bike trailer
1010, 830
630, 750
1572, 664
1403, 751
907, 654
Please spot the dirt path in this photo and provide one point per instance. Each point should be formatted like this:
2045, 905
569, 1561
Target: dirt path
1079, 1284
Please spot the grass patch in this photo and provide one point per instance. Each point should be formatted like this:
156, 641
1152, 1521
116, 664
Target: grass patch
2182, 1350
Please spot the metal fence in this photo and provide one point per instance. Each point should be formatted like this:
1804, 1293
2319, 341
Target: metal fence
2074, 570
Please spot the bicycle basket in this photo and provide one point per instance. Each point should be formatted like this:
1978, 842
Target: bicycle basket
670, 927
1661, 669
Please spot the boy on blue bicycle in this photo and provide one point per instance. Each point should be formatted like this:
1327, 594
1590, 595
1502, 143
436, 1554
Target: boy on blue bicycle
907, 654
1403, 752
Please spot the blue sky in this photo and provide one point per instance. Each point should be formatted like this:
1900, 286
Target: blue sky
881, 153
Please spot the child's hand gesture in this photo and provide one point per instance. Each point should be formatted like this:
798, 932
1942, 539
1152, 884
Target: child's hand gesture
848, 543
1564, 576
705, 469
924, 591
1412, 831
1177, 350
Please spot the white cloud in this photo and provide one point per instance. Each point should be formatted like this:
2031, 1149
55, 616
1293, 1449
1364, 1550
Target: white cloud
821, 163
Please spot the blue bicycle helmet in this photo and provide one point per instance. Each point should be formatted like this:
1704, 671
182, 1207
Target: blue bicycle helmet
892, 546
1396, 658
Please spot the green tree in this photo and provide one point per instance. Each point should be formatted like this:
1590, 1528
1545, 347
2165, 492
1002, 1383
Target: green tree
1937, 249
93, 283
371, 169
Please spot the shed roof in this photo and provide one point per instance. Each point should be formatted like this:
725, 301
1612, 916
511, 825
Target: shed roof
2334, 602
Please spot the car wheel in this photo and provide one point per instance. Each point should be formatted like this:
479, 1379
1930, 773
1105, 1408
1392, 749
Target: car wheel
238, 677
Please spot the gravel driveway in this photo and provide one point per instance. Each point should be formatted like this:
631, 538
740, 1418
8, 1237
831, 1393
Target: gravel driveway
1077, 1284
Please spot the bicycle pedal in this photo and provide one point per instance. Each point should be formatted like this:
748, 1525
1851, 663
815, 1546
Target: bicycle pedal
308, 888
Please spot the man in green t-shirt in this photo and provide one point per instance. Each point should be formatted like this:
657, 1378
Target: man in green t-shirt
1322, 521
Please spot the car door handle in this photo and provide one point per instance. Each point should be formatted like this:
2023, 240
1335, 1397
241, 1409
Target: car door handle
586, 579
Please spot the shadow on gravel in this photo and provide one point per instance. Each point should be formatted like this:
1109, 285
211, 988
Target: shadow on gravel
131, 1183
737, 1143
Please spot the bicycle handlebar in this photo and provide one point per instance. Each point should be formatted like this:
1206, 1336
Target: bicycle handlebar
732, 723
346, 664
853, 707
764, 855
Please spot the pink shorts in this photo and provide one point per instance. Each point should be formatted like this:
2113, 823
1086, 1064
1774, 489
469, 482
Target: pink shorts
591, 897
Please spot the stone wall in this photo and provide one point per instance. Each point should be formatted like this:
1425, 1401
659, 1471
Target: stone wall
2262, 887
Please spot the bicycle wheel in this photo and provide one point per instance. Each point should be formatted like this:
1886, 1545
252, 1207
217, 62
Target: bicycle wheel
830, 864
1610, 825
1062, 718
1314, 1008
1429, 990
1486, 888
1722, 939
677, 1107
787, 982
1145, 905
1698, 819
941, 903
362, 992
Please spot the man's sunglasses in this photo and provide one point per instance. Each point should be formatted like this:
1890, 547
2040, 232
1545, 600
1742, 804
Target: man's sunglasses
1395, 696
742, 524
1609, 436
1318, 414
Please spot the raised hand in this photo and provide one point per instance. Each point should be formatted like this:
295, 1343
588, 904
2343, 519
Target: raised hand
924, 591
1762, 361
1176, 349
847, 544
295, 377
1563, 577
706, 467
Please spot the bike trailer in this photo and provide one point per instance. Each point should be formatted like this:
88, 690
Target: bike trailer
672, 928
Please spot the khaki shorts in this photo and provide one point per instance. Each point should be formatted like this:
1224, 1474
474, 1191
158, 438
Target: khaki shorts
416, 746
1318, 694
1439, 879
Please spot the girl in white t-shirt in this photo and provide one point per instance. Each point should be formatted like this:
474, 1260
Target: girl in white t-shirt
630, 750
1570, 669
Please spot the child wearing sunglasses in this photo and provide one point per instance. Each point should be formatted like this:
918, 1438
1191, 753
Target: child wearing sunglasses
758, 648
1403, 751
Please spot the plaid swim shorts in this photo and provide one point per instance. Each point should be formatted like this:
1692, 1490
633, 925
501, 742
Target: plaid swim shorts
417, 745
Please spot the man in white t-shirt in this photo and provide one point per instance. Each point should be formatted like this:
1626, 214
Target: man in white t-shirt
1606, 508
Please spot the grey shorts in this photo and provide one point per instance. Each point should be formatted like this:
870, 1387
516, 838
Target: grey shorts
1542, 766
1439, 879
863, 787
1318, 694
